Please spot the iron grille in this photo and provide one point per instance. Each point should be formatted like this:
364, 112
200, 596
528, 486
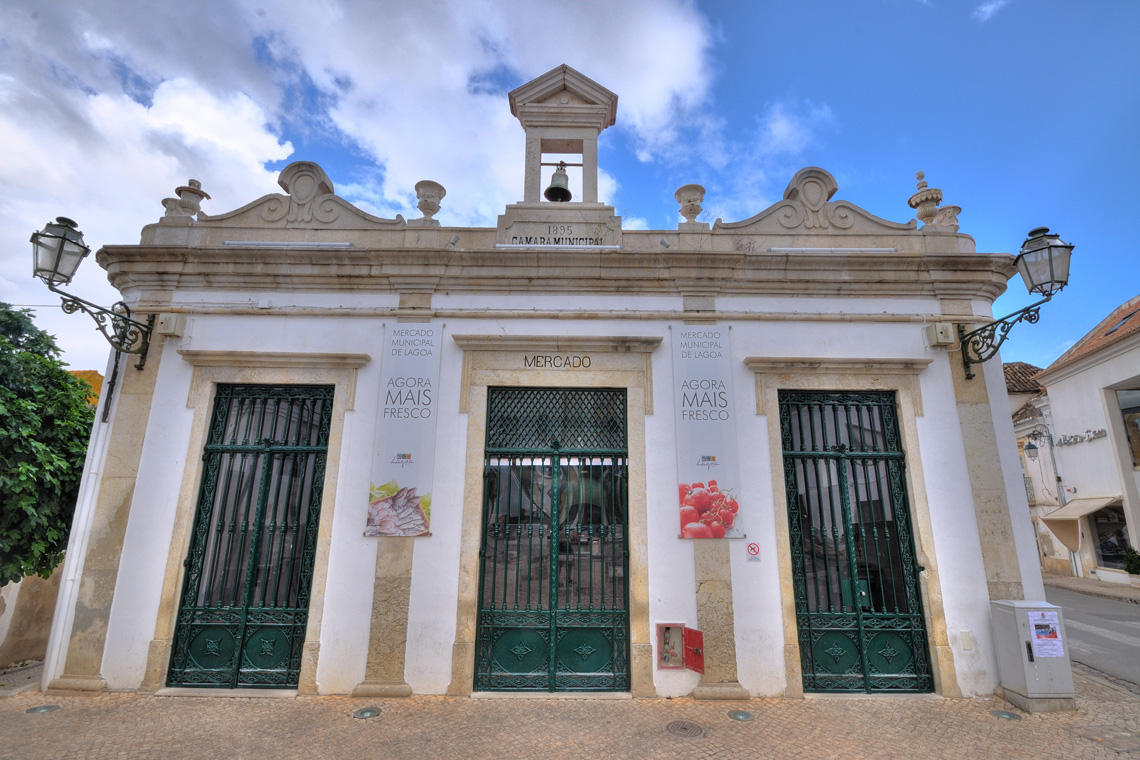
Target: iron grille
245, 599
553, 610
543, 419
858, 606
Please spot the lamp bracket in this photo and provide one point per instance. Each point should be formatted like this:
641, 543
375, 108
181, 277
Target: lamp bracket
123, 333
982, 344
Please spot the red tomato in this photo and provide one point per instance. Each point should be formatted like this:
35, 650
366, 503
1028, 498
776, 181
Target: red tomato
698, 498
689, 515
726, 518
712, 486
696, 530
717, 529
684, 490
698, 485
731, 505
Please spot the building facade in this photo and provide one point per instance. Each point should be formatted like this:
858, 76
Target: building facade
1094, 396
382, 456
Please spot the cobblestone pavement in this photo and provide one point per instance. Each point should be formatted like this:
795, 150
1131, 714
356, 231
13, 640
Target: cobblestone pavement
129, 725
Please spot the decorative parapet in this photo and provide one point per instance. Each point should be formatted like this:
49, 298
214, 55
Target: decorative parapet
311, 203
807, 207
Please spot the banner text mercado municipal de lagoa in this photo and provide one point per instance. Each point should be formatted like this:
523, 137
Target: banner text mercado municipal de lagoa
707, 469
399, 499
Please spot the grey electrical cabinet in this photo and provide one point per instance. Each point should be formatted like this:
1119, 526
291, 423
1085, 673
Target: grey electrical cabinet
1033, 655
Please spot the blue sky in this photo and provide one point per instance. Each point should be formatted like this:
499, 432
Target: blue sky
1023, 112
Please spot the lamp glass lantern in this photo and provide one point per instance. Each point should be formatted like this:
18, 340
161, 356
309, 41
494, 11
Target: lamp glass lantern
1031, 451
57, 251
1044, 262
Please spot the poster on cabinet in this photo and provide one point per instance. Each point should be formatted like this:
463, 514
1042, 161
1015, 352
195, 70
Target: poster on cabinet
707, 469
399, 498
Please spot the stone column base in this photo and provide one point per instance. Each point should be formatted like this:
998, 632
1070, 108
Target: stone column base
730, 690
76, 686
382, 689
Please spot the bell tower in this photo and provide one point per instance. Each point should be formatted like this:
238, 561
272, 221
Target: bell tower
562, 112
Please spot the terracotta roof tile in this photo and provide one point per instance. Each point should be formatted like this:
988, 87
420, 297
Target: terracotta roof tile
1121, 323
1019, 377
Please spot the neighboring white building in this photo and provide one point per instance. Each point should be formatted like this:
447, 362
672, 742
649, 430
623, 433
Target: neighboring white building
537, 413
1044, 488
1094, 395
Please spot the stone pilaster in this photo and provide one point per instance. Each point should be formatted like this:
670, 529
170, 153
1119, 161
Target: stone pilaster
388, 633
715, 619
83, 667
987, 485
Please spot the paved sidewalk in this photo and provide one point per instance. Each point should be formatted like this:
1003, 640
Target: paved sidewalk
128, 725
1117, 591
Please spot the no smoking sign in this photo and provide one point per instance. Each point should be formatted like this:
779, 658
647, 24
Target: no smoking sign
753, 552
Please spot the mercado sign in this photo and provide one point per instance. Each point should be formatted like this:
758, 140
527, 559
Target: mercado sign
399, 499
707, 469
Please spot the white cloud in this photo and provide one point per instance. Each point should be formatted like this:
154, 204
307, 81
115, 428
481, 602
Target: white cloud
986, 10
106, 107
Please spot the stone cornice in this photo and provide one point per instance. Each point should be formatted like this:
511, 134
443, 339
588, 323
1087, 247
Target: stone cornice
152, 273
559, 343
274, 359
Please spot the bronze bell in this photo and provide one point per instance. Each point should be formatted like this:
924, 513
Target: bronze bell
559, 190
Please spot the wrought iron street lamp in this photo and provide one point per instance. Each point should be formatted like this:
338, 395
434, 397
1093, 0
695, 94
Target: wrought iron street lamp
57, 251
1031, 451
1044, 268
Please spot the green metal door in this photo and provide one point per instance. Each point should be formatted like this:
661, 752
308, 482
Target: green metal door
245, 598
553, 602
858, 607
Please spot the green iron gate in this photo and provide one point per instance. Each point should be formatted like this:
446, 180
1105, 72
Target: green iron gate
245, 599
553, 599
858, 607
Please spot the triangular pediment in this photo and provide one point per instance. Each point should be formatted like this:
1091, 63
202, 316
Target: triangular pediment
564, 88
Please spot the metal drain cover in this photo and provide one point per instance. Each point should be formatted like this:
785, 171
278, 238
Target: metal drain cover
685, 728
1005, 714
366, 712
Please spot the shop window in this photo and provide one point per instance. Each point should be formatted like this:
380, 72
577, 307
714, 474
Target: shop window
1110, 536
1130, 408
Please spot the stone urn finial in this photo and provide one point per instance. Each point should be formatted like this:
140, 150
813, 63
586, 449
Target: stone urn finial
925, 201
189, 200
430, 194
690, 197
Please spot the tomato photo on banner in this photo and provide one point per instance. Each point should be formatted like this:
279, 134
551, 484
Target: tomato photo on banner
706, 433
707, 511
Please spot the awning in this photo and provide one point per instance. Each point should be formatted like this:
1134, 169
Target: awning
1065, 522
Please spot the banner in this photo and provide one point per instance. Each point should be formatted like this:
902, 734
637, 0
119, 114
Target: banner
399, 498
707, 470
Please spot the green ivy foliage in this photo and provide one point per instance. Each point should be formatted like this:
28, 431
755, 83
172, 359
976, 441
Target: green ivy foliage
1131, 560
45, 422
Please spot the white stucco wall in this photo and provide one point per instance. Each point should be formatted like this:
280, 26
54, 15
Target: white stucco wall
346, 608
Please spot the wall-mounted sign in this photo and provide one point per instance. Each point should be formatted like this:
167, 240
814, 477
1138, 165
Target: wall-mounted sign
707, 470
399, 498
557, 361
1088, 435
